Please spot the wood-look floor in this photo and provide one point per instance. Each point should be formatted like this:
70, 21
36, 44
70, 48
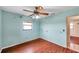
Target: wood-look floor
37, 46
74, 43
74, 40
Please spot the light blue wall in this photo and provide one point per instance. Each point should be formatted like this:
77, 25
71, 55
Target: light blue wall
0, 29
12, 29
51, 28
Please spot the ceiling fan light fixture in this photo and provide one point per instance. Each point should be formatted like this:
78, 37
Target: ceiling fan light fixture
35, 16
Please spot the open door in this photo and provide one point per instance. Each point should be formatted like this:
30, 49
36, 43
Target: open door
73, 32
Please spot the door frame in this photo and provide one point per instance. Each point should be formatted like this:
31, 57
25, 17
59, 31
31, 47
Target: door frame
68, 31
68, 28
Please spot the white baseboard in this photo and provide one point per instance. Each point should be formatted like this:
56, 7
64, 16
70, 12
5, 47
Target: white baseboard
0, 50
18, 43
53, 42
29, 40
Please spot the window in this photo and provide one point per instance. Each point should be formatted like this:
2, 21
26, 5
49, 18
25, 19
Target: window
27, 25
71, 25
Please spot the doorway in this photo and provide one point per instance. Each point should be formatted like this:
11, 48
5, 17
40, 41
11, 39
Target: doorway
73, 32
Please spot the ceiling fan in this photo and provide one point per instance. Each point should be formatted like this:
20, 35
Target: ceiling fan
39, 10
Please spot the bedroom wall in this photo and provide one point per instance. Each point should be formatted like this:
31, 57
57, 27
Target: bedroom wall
54, 28
0, 29
12, 29
50, 28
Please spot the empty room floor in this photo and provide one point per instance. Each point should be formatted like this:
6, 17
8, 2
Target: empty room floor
37, 46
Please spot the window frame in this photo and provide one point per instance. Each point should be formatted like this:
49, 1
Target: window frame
26, 23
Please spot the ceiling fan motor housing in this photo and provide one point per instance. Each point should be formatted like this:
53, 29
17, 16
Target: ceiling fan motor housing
39, 7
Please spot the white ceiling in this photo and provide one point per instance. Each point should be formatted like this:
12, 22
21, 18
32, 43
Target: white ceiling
50, 9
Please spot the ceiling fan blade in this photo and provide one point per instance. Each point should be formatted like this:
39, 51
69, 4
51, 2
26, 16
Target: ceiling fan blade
31, 14
28, 10
43, 13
